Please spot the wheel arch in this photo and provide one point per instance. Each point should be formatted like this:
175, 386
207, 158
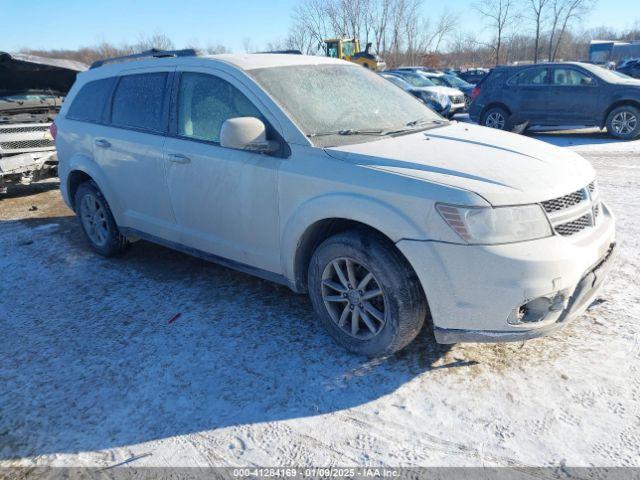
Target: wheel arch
82, 169
320, 231
616, 104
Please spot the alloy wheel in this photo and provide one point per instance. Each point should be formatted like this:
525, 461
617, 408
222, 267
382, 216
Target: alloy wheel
495, 120
354, 298
624, 123
94, 220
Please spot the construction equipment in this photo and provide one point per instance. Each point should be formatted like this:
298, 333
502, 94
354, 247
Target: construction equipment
349, 49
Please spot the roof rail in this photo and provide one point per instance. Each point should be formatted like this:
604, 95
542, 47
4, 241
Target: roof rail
153, 53
284, 52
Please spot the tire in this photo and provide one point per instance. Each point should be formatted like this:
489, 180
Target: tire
496, 117
397, 314
624, 122
93, 210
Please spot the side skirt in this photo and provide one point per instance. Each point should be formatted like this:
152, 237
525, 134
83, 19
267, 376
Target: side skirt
225, 262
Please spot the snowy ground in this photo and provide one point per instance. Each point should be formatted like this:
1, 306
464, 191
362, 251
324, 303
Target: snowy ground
93, 373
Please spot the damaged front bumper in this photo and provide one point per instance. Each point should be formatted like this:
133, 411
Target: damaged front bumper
511, 292
26, 168
27, 154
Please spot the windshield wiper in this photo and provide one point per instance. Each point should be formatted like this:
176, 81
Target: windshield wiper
347, 131
411, 126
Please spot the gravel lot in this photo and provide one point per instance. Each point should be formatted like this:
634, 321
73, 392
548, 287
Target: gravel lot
93, 372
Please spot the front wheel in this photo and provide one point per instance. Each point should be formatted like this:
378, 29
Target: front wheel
365, 293
495, 118
624, 122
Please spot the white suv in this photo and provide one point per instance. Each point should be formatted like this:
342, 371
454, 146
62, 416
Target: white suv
323, 176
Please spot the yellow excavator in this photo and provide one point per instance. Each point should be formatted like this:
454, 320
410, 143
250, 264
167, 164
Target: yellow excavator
349, 49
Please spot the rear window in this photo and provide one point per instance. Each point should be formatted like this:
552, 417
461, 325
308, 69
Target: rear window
138, 101
88, 105
531, 76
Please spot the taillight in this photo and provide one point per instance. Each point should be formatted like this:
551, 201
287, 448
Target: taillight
53, 130
475, 92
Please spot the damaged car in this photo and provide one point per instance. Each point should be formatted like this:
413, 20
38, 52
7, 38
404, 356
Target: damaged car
31, 93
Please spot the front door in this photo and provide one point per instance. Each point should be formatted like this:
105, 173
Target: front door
574, 96
225, 200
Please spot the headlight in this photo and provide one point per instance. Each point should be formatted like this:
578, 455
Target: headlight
487, 225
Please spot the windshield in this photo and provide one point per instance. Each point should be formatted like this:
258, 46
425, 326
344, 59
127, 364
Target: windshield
23, 97
341, 101
397, 81
417, 80
457, 81
439, 81
609, 75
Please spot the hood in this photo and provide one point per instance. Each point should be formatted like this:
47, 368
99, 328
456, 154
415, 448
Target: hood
448, 91
504, 168
20, 72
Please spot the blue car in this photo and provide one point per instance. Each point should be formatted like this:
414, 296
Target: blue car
559, 95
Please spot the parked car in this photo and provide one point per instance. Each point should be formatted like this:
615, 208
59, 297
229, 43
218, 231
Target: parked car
432, 97
630, 68
361, 196
448, 80
559, 94
31, 93
473, 75
419, 80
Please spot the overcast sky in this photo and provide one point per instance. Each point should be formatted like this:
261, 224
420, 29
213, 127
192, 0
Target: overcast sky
72, 23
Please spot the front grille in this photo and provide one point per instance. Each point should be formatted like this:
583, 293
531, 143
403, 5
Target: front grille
25, 144
457, 98
563, 202
575, 226
574, 212
38, 128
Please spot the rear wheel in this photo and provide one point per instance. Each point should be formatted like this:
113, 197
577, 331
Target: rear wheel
97, 221
496, 117
365, 294
624, 122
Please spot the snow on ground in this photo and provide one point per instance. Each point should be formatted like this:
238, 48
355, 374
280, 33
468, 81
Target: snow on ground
93, 373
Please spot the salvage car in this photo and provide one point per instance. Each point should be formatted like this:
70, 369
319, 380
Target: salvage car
31, 93
385, 213
420, 81
431, 96
558, 95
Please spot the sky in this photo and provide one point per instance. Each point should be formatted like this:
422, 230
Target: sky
73, 23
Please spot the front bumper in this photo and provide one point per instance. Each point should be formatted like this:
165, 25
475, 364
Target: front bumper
25, 168
475, 292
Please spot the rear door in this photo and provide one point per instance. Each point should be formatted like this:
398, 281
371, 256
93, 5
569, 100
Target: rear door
574, 96
527, 95
129, 150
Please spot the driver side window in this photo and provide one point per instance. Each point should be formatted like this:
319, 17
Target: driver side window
570, 77
205, 102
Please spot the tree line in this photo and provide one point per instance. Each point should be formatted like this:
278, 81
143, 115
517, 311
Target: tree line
406, 32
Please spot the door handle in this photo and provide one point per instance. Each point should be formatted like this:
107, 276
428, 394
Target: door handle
178, 158
102, 143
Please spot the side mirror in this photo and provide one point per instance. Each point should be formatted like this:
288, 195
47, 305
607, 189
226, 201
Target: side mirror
246, 133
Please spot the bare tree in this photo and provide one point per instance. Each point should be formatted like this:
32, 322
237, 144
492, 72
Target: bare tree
538, 11
247, 45
564, 12
159, 41
445, 26
499, 15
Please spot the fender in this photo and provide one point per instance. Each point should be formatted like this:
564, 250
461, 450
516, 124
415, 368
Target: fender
86, 164
348, 206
